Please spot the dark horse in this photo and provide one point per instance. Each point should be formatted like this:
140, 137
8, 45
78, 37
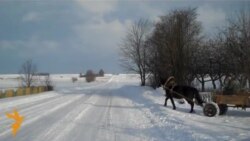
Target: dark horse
186, 92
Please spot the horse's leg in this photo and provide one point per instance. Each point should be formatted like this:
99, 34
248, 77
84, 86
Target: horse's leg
192, 106
171, 98
166, 99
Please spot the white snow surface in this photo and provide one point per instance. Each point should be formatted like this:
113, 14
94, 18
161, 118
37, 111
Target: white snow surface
115, 108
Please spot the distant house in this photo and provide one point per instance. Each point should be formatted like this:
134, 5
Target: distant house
41, 78
41, 74
81, 75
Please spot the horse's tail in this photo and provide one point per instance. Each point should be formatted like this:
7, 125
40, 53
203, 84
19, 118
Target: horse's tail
198, 98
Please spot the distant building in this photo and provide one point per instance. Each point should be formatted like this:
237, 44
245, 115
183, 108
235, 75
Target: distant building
42, 74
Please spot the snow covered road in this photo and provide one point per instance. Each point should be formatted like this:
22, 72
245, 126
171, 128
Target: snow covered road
115, 110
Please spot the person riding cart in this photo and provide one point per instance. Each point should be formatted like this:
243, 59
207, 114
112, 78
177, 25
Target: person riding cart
231, 85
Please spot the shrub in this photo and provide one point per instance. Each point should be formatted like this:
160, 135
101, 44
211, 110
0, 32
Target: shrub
74, 79
49, 84
101, 73
90, 76
152, 81
81, 75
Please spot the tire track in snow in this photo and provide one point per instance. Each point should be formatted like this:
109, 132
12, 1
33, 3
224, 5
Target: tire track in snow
159, 122
29, 112
74, 117
108, 125
109, 118
90, 122
31, 104
127, 123
52, 109
152, 120
105, 128
39, 110
27, 109
11, 102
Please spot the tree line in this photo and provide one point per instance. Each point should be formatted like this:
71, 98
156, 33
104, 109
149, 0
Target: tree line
176, 46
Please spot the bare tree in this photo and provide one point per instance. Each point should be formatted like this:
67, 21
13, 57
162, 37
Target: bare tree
200, 64
27, 73
48, 83
174, 40
237, 36
134, 49
225, 54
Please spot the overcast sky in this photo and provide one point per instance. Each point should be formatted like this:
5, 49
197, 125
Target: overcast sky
71, 36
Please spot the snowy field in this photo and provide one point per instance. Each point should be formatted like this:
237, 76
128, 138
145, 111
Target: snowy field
114, 108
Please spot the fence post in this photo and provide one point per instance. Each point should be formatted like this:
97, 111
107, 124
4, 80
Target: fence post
27, 91
40, 89
9, 93
44, 88
20, 91
34, 90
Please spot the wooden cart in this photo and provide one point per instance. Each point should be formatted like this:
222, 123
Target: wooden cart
220, 103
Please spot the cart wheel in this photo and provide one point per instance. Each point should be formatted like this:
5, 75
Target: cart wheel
223, 109
210, 109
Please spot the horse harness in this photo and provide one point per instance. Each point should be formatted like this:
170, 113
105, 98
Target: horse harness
172, 91
171, 82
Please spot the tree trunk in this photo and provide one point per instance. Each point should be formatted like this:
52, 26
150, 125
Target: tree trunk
248, 83
143, 77
214, 85
143, 81
202, 84
221, 83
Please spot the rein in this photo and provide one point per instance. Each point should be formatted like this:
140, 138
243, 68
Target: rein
177, 93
